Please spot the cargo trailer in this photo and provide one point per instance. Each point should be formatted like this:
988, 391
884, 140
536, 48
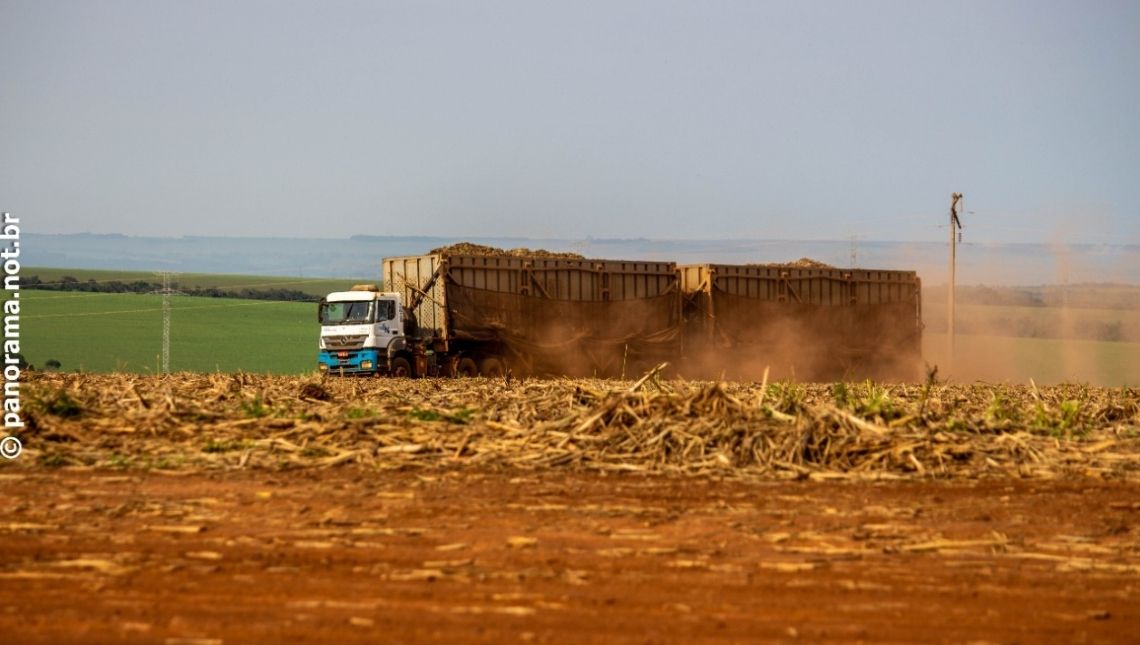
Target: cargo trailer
809, 323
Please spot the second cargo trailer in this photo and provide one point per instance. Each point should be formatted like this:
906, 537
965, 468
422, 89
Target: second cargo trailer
809, 323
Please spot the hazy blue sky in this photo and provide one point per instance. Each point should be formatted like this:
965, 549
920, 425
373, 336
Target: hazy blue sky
813, 120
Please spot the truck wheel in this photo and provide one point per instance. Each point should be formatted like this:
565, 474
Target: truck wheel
401, 368
491, 367
467, 368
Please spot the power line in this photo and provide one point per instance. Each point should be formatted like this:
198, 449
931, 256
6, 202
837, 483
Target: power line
85, 294
92, 313
127, 281
158, 309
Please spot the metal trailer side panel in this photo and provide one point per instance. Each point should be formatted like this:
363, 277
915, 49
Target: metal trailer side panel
542, 310
804, 285
541, 277
410, 276
562, 278
813, 316
571, 316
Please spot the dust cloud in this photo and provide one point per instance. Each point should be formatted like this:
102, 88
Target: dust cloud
1056, 332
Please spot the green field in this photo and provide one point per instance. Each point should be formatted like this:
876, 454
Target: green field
1086, 323
312, 286
1045, 360
123, 332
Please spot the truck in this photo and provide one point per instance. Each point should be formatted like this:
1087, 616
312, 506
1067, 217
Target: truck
473, 314
456, 314
363, 332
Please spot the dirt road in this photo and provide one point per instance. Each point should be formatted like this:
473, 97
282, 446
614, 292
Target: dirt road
354, 555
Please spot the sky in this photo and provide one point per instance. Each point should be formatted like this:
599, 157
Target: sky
612, 119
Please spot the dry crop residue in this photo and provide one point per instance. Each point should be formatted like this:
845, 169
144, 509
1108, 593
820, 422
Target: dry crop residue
672, 427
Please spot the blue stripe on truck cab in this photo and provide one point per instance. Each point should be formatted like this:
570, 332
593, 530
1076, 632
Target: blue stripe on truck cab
352, 362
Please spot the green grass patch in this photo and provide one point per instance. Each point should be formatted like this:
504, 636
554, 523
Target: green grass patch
123, 332
53, 460
1048, 361
214, 446
359, 413
787, 396
57, 403
256, 408
461, 416
876, 403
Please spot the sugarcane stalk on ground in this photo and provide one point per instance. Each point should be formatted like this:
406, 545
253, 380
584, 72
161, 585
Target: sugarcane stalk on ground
782, 429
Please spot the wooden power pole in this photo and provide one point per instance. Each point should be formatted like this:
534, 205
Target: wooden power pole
955, 234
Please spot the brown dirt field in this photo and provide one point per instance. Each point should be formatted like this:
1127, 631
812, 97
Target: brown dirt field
352, 554
217, 508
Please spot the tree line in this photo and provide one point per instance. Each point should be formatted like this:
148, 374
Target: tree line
69, 283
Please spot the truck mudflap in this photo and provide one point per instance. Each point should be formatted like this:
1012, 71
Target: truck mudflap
351, 361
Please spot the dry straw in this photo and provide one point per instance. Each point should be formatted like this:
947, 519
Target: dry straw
864, 430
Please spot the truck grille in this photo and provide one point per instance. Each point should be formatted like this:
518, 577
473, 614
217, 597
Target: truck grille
344, 342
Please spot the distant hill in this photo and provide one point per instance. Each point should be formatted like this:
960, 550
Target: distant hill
359, 257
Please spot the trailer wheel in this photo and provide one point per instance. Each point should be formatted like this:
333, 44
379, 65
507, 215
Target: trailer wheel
401, 368
467, 368
491, 367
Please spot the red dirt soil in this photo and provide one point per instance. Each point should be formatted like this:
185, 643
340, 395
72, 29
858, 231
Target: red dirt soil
350, 555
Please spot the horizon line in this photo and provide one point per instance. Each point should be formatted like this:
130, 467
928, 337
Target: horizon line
570, 240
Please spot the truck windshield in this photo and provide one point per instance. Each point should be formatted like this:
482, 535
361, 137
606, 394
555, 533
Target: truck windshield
346, 313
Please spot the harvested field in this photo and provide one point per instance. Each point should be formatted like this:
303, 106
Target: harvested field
234, 508
651, 426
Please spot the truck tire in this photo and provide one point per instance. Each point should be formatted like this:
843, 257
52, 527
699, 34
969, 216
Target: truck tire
491, 367
401, 368
467, 368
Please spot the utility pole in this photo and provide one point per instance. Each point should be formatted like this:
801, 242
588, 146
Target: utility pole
955, 236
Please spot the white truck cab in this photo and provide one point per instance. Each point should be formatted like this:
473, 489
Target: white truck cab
363, 332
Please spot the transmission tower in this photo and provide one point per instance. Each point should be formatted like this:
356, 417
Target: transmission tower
166, 292
165, 323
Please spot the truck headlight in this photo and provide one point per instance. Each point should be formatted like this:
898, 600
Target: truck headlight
365, 365
323, 367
